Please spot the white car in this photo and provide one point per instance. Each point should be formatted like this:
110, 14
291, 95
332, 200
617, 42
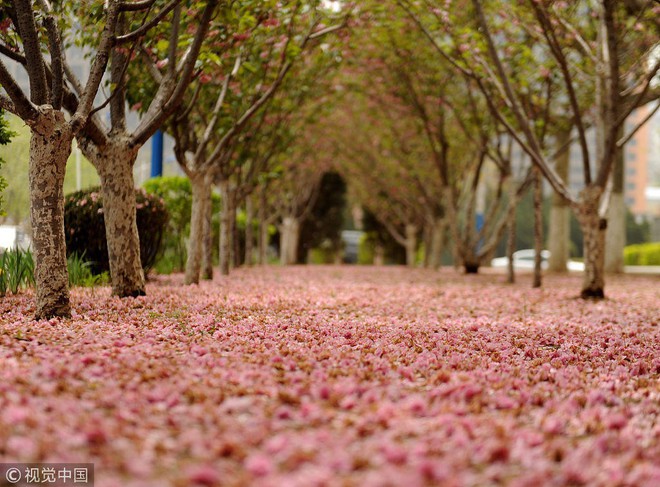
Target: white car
524, 259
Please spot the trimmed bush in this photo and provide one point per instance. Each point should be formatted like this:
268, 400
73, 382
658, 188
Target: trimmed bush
85, 227
642, 254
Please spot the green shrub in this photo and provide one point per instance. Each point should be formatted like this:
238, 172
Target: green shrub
642, 254
16, 270
85, 227
176, 192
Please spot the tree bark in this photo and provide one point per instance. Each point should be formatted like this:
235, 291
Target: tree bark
289, 237
249, 231
538, 228
436, 246
50, 147
207, 239
411, 244
593, 230
616, 218
114, 163
559, 228
263, 228
201, 196
225, 229
511, 239
379, 254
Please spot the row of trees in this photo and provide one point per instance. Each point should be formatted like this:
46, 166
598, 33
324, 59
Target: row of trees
204, 71
464, 106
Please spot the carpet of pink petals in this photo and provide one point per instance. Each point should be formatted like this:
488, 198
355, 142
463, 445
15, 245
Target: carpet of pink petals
342, 376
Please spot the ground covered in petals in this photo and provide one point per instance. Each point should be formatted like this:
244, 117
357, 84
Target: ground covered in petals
340, 376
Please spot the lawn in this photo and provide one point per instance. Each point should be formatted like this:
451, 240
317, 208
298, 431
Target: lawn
350, 376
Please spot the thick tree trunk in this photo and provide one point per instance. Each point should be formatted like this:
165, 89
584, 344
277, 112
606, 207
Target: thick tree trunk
411, 244
289, 237
114, 163
225, 229
207, 239
593, 230
559, 228
471, 266
201, 198
538, 228
249, 231
616, 218
437, 243
50, 147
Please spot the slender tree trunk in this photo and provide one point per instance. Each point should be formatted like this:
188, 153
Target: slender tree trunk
428, 236
201, 193
207, 240
249, 231
289, 237
437, 241
263, 227
114, 163
50, 147
593, 230
538, 228
234, 252
559, 230
411, 244
511, 248
225, 229
616, 219
379, 254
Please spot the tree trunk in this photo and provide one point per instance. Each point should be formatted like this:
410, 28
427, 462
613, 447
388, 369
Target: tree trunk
428, 231
263, 227
114, 162
50, 147
411, 244
436, 246
233, 234
559, 230
249, 231
207, 239
201, 195
511, 245
593, 230
379, 254
225, 229
289, 236
538, 228
616, 218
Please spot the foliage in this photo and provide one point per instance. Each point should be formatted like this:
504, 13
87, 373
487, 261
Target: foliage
85, 227
5, 138
16, 270
642, 254
80, 272
176, 192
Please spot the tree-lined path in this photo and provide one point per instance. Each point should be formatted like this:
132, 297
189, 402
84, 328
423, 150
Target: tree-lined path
340, 376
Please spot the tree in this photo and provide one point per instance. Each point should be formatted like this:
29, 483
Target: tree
581, 45
169, 53
29, 31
